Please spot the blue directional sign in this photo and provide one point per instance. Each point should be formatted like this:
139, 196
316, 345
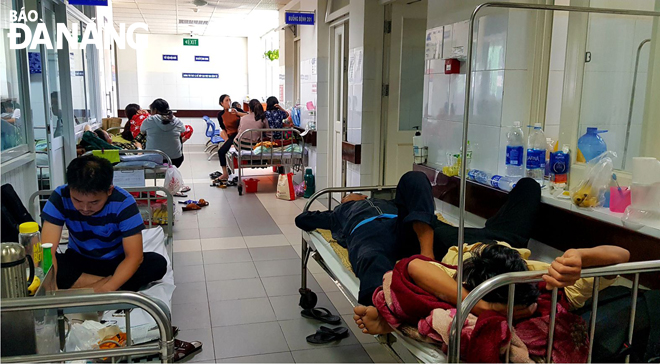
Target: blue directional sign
89, 2
202, 58
201, 75
170, 57
299, 18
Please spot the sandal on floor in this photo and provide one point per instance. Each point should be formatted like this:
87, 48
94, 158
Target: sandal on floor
321, 314
215, 175
191, 207
185, 189
184, 349
179, 194
202, 202
326, 335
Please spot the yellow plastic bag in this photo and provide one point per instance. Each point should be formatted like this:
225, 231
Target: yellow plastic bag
110, 154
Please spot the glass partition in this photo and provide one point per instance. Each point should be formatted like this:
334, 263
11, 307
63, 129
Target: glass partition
14, 131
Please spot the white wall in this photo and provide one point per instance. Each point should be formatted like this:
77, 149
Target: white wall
145, 76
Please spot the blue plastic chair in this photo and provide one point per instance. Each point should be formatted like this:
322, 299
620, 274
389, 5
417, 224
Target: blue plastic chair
214, 137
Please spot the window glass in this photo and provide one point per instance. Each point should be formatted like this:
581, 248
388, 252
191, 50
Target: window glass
14, 133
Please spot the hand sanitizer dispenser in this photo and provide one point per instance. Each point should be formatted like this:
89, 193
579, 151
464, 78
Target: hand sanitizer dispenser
645, 207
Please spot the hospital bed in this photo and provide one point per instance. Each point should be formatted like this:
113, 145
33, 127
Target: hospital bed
151, 171
334, 261
144, 316
287, 155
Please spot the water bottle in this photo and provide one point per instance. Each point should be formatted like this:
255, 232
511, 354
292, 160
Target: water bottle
515, 151
591, 145
505, 183
536, 146
310, 183
30, 237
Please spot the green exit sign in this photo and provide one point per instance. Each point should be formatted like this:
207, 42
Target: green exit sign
190, 42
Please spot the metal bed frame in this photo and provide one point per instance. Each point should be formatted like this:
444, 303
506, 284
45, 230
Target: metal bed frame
154, 173
122, 301
266, 160
308, 298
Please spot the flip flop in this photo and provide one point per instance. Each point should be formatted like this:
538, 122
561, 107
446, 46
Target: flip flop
202, 202
179, 194
191, 207
184, 349
321, 314
215, 175
185, 189
326, 335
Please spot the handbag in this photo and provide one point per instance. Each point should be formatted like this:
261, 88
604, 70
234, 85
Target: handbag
285, 189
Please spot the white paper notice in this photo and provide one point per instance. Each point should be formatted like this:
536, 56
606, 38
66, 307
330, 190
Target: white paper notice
133, 178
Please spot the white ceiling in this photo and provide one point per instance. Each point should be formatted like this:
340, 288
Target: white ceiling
225, 17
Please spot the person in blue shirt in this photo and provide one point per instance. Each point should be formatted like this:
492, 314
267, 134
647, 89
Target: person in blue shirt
105, 232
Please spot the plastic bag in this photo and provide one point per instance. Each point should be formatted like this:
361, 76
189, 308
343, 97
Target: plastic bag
590, 192
173, 179
86, 336
285, 187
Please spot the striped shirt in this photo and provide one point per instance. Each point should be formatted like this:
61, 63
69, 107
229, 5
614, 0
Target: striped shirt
98, 236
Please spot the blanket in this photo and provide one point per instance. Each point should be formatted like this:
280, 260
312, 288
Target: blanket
415, 312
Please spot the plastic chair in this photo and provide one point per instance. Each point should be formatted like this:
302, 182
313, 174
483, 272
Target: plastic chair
214, 137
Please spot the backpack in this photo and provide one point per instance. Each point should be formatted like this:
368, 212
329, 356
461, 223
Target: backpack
612, 320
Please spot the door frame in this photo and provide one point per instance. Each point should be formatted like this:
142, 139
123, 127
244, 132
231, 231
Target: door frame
335, 27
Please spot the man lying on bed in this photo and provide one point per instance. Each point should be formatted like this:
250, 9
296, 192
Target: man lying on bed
379, 232
483, 261
105, 232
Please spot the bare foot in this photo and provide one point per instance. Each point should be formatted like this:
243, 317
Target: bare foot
223, 177
368, 319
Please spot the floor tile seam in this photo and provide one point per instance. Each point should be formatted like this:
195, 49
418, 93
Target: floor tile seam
243, 356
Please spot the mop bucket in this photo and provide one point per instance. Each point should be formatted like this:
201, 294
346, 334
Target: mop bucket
251, 185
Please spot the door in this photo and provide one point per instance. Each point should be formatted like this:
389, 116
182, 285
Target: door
52, 102
339, 99
404, 85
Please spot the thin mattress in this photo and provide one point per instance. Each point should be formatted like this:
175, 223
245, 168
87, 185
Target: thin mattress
335, 258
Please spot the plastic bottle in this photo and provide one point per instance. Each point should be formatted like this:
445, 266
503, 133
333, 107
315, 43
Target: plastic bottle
515, 151
505, 183
549, 149
310, 183
560, 163
536, 146
30, 237
591, 145
418, 146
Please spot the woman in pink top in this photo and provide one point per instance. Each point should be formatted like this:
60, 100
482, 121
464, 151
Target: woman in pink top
255, 119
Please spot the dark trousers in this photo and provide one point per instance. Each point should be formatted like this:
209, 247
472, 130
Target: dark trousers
222, 151
177, 162
71, 265
375, 248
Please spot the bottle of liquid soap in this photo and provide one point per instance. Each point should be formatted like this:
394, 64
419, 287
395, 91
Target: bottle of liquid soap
310, 183
591, 145
418, 146
515, 151
536, 146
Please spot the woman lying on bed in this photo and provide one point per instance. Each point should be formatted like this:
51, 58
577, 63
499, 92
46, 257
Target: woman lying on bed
484, 261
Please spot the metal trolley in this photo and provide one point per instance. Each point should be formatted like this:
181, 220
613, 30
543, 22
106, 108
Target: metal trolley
248, 159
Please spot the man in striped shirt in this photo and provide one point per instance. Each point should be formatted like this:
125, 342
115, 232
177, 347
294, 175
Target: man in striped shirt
105, 232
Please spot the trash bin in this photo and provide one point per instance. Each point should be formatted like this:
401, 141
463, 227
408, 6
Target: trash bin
251, 185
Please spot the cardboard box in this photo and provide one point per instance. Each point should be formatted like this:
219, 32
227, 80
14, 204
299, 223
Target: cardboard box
107, 123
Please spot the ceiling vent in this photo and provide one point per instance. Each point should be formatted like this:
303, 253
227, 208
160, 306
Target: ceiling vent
193, 22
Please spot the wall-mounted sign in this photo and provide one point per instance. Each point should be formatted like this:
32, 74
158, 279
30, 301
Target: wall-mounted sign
190, 42
89, 2
35, 62
170, 57
202, 58
79, 73
201, 75
299, 18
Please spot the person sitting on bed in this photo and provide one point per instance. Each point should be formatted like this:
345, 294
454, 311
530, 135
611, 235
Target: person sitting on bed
105, 232
379, 232
482, 261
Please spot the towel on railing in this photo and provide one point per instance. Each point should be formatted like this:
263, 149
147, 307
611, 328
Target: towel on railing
423, 316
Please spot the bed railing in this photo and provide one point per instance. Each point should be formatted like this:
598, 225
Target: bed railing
122, 300
266, 159
511, 279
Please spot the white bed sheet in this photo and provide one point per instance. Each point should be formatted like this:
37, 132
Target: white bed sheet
143, 326
425, 352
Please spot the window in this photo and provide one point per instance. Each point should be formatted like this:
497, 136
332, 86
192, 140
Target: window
14, 128
81, 63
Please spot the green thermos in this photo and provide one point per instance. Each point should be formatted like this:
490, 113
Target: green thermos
310, 183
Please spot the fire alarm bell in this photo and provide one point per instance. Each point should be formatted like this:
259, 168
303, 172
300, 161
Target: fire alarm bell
452, 66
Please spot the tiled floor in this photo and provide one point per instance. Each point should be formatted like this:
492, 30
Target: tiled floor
237, 271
